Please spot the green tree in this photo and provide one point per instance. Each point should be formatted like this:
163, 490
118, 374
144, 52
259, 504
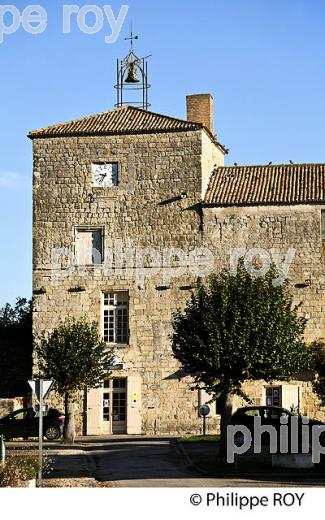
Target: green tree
16, 348
237, 328
74, 356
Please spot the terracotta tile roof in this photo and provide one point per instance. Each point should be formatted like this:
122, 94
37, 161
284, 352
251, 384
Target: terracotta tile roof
124, 120
273, 184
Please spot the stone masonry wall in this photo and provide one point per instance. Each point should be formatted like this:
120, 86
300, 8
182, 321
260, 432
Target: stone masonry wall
278, 228
211, 155
146, 209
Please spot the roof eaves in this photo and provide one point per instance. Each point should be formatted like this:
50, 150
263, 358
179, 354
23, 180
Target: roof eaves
262, 203
95, 133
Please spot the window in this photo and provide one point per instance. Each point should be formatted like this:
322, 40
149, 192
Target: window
116, 317
89, 246
323, 225
273, 396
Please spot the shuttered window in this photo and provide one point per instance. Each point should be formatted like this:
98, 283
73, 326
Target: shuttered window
89, 246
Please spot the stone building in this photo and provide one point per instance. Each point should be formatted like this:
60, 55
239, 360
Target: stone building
130, 207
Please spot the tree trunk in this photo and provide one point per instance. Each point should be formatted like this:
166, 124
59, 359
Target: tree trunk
69, 432
226, 413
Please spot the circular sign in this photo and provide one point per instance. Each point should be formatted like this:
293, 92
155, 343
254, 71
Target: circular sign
204, 410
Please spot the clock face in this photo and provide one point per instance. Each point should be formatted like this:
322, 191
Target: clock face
105, 175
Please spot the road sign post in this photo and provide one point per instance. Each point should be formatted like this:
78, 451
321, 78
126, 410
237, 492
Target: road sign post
40, 435
2, 450
41, 388
204, 411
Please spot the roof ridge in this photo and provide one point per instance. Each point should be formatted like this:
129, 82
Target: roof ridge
269, 165
171, 118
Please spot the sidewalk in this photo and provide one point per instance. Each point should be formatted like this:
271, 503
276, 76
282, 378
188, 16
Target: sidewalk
203, 457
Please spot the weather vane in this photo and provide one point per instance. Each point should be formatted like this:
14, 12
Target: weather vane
131, 38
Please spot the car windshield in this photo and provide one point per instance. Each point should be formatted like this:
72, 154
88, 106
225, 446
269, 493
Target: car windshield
274, 413
19, 415
252, 412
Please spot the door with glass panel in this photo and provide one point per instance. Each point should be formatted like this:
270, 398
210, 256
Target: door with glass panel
115, 406
107, 406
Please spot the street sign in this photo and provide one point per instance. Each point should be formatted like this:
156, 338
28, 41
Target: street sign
37, 408
35, 385
204, 410
41, 388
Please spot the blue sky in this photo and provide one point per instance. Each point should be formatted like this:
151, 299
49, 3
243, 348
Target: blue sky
263, 61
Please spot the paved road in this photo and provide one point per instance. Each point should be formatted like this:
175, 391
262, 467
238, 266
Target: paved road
127, 462
124, 461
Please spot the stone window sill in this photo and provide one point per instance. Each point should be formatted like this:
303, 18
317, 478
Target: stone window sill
117, 345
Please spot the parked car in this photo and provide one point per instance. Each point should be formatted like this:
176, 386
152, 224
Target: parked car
270, 415
25, 423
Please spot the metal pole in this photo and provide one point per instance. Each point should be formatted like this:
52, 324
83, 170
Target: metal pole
40, 433
147, 87
299, 404
118, 83
143, 87
204, 425
2, 450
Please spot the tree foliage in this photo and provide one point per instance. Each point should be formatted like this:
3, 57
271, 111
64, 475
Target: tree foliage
16, 348
239, 328
74, 356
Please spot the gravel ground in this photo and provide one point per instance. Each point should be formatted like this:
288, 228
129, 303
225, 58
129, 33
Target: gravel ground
74, 483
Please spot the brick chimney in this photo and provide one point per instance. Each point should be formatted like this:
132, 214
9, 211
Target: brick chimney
200, 110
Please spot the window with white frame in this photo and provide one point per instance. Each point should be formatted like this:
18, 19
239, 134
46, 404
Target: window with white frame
116, 317
89, 246
273, 396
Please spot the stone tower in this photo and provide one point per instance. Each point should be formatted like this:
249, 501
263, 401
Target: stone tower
116, 216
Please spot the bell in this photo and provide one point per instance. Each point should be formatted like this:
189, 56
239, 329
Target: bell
132, 75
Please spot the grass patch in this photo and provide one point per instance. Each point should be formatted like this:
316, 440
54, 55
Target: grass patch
199, 438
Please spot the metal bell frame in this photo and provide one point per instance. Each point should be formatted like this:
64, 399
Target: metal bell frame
129, 71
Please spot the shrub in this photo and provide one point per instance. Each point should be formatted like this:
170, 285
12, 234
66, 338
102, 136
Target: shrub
20, 468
